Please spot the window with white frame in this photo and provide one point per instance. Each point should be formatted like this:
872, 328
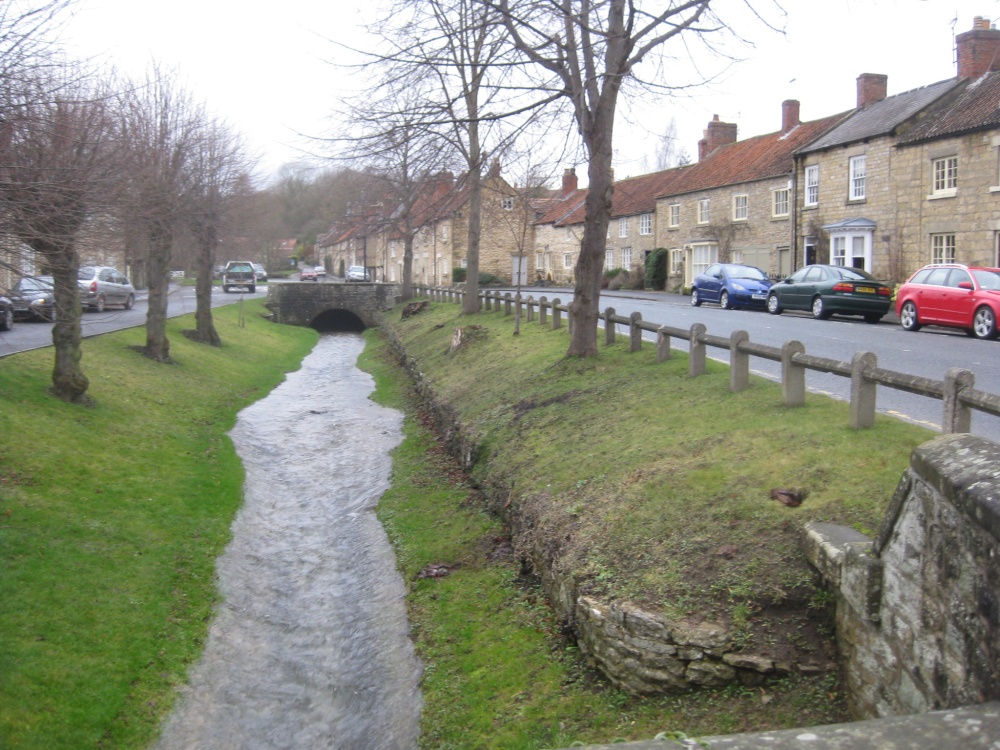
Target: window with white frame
645, 223
942, 248
444, 232
779, 202
609, 259
812, 185
703, 210
856, 189
623, 226
507, 203
675, 215
567, 260
702, 256
392, 249
626, 258
945, 176
540, 261
740, 207
852, 249
465, 262
676, 261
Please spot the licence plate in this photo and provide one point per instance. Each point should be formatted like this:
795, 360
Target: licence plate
758, 296
865, 289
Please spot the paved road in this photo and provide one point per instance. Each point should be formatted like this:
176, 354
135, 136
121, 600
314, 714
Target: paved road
34, 335
929, 353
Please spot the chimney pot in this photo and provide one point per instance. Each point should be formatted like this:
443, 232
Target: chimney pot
872, 88
789, 115
717, 134
569, 181
978, 49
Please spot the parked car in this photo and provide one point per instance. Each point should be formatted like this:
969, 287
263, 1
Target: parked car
239, 273
321, 271
308, 273
101, 286
34, 298
953, 295
831, 290
6, 313
260, 272
218, 271
731, 285
357, 273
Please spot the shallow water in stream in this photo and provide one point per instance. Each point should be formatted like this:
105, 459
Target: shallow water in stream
309, 646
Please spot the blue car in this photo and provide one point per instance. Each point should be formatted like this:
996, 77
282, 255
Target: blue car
731, 285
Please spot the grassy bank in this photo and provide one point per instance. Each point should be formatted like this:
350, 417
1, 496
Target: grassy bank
656, 487
111, 518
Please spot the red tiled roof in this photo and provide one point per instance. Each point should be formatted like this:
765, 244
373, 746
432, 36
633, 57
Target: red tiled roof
759, 158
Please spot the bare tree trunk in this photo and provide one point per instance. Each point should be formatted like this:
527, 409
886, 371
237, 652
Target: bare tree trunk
68, 381
407, 289
585, 306
157, 345
471, 303
205, 324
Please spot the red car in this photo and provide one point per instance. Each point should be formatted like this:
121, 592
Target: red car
953, 295
308, 273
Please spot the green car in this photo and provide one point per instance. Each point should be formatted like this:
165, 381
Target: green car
831, 290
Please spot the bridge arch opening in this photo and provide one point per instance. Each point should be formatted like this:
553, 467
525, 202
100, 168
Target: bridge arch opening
337, 321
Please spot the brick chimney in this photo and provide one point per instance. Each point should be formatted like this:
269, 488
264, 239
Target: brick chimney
569, 184
871, 88
717, 134
789, 115
978, 50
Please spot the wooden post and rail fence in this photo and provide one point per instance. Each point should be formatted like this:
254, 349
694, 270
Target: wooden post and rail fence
957, 391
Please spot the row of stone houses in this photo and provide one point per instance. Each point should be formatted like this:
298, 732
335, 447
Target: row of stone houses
876, 187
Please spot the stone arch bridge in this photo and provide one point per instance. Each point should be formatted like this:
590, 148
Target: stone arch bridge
330, 306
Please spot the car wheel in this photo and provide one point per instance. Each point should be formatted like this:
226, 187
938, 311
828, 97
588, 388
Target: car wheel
984, 323
225, 289
6, 319
724, 300
819, 309
908, 317
872, 318
129, 301
253, 288
773, 305
695, 299
99, 304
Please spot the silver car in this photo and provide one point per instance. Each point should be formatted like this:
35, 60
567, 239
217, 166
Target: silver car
357, 273
101, 286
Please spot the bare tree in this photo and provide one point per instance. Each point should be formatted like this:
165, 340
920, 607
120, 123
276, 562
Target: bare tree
586, 50
217, 168
160, 127
55, 169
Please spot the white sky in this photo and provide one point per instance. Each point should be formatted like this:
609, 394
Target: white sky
264, 66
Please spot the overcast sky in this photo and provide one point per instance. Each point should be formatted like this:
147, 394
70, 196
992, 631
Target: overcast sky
265, 66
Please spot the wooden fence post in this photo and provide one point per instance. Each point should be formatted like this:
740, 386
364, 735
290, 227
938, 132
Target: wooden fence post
487, 302
531, 309
556, 314
543, 311
506, 304
635, 332
662, 344
793, 376
696, 365
957, 416
739, 362
609, 327
863, 391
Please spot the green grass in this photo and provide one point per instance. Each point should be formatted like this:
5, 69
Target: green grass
644, 474
111, 518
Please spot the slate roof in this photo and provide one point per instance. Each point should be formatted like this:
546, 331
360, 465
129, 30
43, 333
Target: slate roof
883, 117
977, 107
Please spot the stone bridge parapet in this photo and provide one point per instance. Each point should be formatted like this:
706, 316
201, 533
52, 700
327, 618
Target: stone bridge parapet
330, 306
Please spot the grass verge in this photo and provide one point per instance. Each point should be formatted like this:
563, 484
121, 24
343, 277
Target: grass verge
657, 487
111, 518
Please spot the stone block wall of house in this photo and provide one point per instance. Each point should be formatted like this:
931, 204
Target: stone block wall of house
559, 247
835, 204
967, 218
629, 252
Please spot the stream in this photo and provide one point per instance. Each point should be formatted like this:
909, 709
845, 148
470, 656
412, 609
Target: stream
309, 648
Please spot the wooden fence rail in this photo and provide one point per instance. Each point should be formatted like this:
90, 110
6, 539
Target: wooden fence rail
957, 391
